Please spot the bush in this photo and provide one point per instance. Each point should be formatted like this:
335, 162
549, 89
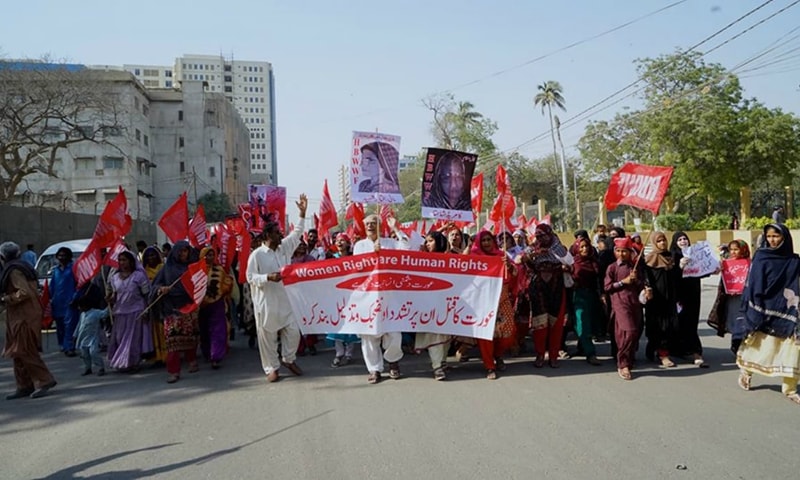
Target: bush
756, 223
674, 222
793, 223
718, 221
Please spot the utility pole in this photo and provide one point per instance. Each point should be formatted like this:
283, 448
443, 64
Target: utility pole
343, 189
194, 185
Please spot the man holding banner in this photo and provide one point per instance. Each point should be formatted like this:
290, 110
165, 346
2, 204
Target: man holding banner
273, 313
392, 342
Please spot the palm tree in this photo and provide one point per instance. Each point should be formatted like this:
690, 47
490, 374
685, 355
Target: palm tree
550, 96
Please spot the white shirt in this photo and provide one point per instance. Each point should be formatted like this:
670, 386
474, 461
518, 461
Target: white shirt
318, 253
368, 246
271, 305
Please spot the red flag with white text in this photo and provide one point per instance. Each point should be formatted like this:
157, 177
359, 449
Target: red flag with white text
502, 213
88, 264
640, 186
195, 281
476, 193
385, 212
175, 221
197, 228
114, 222
112, 255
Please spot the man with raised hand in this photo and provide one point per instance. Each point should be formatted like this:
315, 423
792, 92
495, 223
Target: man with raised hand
273, 312
391, 342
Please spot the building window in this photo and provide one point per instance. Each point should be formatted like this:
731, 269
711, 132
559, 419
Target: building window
111, 131
146, 141
180, 115
180, 142
211, 172
149, 72
138, 135
227, 68
168, 73
145, 110
182, 167
84, 163
136, 71
211, 143
168, 84
84, 197
113, 163
228, 78
228, 90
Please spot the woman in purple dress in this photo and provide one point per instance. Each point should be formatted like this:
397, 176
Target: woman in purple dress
127, 298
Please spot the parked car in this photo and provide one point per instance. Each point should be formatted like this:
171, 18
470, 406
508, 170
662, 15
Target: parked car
47, 260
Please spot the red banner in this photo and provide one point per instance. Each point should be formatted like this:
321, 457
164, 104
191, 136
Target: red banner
88, 264
114, 221
502, 212
328, 218
195, 281
640, 186
734, 274
47, 309
476, 193
175, 221
197, 228
112, 255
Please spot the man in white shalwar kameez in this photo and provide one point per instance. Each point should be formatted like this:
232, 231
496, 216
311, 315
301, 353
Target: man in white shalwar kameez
392, 342
273, 312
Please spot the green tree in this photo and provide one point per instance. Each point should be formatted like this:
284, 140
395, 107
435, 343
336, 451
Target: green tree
550, 96
696, 120
216, 205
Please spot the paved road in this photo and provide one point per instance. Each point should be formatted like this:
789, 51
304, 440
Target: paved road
577, 422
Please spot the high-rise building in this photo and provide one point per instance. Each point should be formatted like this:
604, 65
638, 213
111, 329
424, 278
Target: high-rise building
249, 85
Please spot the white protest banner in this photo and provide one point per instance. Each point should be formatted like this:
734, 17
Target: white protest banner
374, 167
702, 260
397, 291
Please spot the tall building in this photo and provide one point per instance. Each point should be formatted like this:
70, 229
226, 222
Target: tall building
249, 85
154, 143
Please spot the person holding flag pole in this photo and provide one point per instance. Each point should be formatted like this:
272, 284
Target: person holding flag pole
181, 328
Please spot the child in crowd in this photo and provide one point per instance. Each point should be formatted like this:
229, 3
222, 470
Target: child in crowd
623, 284
87, 336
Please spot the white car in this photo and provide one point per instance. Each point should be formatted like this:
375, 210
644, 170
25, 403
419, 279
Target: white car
47, 260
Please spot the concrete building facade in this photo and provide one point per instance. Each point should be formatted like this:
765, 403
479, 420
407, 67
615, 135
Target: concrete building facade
249, 85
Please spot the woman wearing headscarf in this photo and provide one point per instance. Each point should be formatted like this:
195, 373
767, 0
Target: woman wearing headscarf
504, 328
661, 316
689, 291
436, 344
547, 261
180, 329
725, 310
128, 290
769, 316
586, 294
379, 163
153, 263
212, 317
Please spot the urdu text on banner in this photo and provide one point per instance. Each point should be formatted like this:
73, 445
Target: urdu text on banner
397, 291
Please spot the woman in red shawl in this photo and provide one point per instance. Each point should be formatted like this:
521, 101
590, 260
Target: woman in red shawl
504, 327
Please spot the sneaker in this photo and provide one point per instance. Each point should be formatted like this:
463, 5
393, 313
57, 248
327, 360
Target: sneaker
42, 391
19, 394
337, 362
439, 374
394, 370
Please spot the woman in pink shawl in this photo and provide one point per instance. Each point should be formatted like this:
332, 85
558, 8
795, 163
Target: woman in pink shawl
504, 328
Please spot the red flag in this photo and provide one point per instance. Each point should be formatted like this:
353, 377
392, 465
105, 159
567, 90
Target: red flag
114, 222
522, 220
195, 280
316, 221
112, 255
244, 254
357, 230
476, 193
502, 212
385, 212
641, 186
197, 229
225, 242
88, 264
175, 221
47, 309
327, 212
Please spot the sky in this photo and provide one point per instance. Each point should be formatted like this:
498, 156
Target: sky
366, 65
